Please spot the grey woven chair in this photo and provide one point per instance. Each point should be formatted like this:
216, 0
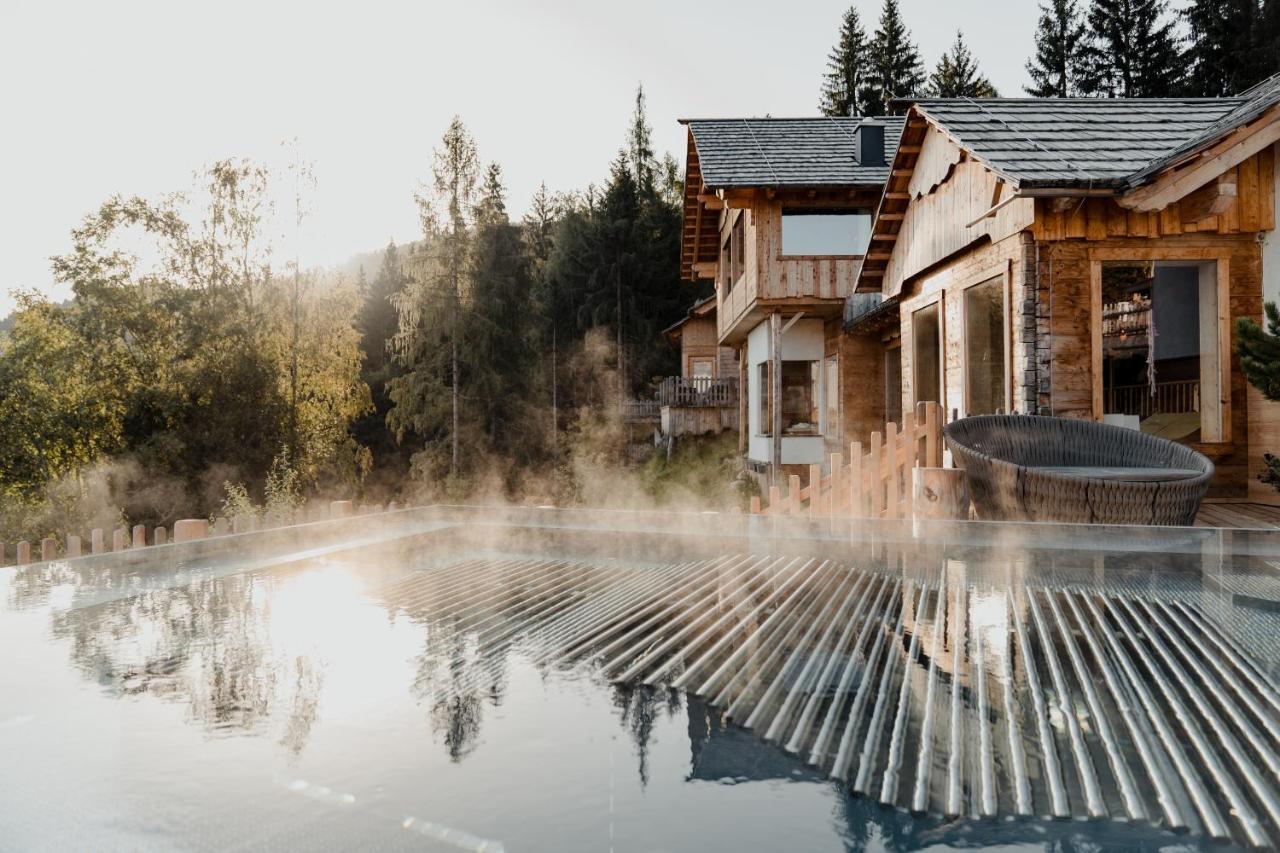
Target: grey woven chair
1030, 468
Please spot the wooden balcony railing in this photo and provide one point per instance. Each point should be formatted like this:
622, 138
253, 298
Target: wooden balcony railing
698, 392
1169, 398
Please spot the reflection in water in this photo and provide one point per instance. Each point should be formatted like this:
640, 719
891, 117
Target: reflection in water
639, 708
253, 653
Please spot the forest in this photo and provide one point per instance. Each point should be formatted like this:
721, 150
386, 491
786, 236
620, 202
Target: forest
201, 366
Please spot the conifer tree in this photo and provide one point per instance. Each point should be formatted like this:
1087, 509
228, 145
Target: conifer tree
1056, 68
957, 75
499, 359
896, 69
1133, 51
1226, 47
427, 342
1259, 352
540, 221
847, 67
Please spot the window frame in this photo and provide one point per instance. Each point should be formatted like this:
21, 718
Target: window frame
1006, 371
820, 210
939, 303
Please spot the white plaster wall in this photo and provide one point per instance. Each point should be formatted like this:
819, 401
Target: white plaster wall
802, 342
1271, 256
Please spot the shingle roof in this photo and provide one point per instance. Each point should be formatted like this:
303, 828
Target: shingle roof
1079, 142
1256, 101
787, 152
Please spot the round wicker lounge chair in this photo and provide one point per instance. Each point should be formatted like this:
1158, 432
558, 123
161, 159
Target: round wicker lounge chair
1030, 468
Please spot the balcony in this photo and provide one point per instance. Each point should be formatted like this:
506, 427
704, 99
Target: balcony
698, 392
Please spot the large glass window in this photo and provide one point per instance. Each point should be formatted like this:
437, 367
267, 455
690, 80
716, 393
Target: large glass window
799, 398
1161, 367
893, 385
825, 231
984, 347
926, 355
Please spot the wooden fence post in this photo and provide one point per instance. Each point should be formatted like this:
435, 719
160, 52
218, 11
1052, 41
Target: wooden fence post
24, 552
73, 546
775, 500
755, 504
48, 548
188, 529
893, 438
855, 480
874, 477
161, 536
339, 509
117, 539
815, 491
96, 543
793, 493
941, 493
139, 536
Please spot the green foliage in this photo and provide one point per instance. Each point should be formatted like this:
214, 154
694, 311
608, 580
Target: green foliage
1058, 65
896, 69
1259, 352
700, 471
957, 75
1228, 47
847, 69
1132, 51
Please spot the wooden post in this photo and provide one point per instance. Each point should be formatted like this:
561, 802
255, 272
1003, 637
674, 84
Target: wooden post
118, 539
755, 504
775, 397
139, 536
161, 536
838, 491
815, 491
339, 509
875, 475
793, 493
24, 552
96, 543
775, 500
893, 438
48, 548
188, 529
855, 480
220, 526
940, 493
73, 546
932, 435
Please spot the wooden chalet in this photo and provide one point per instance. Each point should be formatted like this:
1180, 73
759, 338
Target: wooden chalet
1079, 258
704, 397
778, 213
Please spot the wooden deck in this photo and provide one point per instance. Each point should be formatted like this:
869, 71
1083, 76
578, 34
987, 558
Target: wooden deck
1240, 515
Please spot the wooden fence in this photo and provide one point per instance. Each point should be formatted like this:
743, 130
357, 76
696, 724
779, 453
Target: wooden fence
184, 530
877, 480
698, 392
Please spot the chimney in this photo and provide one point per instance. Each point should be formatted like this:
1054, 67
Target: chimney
869, 143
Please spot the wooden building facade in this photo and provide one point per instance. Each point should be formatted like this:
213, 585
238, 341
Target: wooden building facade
1100, 280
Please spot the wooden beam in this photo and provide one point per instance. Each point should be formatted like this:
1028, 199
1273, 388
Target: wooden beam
775, 398
704, 269
1210, 200
1231, 152
711, 201
736, 199
891, 217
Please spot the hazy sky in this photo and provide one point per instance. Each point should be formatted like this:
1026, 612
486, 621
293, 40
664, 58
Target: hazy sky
131, 97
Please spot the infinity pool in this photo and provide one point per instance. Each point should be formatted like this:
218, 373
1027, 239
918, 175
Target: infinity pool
452, 681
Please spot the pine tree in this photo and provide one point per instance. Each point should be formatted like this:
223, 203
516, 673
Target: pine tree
644, 166
957, 75
539, 223
847, 67
1226, 49
896, 69
1259, 353
377, 321
1268, 43
499, 359
1133, 51
430, 311
1056, 68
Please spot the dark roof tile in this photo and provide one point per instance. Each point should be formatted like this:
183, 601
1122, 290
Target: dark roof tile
796, 152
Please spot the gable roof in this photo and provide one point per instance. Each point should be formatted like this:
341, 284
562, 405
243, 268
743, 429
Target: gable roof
1075, 142
787, 152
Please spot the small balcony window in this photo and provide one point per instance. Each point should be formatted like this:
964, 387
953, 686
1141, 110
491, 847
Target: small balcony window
825, 231
799, 398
